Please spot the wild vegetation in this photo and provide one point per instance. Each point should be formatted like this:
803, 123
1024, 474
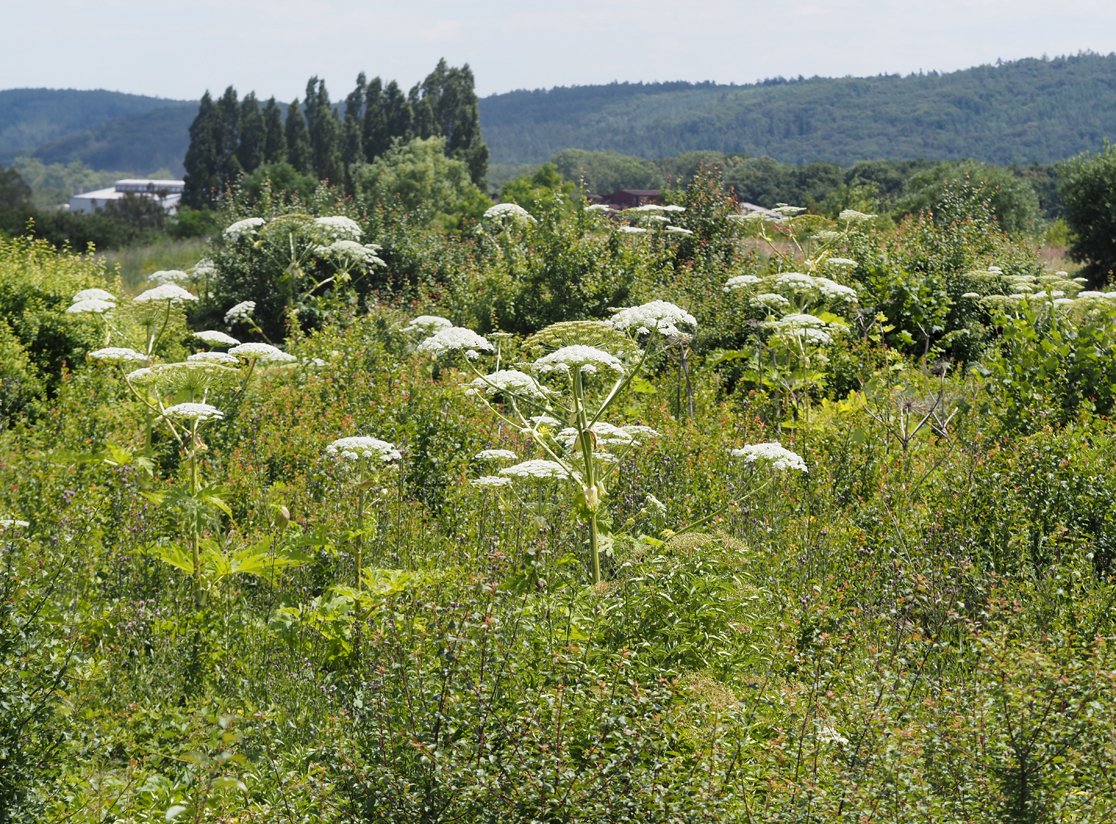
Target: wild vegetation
559, 515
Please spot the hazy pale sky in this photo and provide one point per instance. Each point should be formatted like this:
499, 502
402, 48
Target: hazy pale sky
180, 48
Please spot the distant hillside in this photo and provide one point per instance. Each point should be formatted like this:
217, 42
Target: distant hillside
1020, 112
102, 129
1026, 111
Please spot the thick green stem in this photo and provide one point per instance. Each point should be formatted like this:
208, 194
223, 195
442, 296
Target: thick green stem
195, 538
360, 534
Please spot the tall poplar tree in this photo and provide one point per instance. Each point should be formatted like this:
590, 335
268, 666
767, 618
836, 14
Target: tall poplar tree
275, 141
376, 139
203, 156
250, 146
298, 139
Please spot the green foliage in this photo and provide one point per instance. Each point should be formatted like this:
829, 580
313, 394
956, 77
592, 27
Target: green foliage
1088, 189
418, 175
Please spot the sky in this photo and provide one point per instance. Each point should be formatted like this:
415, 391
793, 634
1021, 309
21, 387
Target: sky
180, 48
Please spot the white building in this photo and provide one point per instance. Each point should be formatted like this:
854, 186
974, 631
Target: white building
167, 193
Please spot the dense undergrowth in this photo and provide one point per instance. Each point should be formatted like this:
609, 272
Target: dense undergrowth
209, 616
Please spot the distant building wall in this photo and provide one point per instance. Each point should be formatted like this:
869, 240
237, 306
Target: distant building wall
168, 194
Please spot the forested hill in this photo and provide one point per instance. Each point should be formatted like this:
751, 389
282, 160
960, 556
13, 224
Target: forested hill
1034, 110
103, 129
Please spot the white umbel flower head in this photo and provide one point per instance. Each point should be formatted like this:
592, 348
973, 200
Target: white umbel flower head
242, 311
773, 453
242, 228
118, 354
169, 276
537, 468
509, 382
853, 216
352, 252
604, 434
216, 338
455, 339
490, 481
94, 294
770, 300
338, 227
214, 357
495, 455
632, 230
169, 292
807, 328
93, 306
508, 212
193, 412
363, 446
264, 352
658, 315
587, 359
13, 523
427, 325
741, 282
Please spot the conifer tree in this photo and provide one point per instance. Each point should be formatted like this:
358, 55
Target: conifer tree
229, 109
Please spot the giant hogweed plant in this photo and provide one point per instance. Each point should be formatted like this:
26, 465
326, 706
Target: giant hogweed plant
178, 398
561, 404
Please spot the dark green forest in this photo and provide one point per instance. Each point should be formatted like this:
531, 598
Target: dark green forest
1026, 111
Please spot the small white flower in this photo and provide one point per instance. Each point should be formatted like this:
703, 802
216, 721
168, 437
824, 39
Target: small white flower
490, 481
169, 276
995, 270
92, 306
509, 212
1081, 280
789, 211
94, 294
658, 315
170, 292
117, 354
13, 523
338, 227
536, 468
674, 207
241, 311
599, 207
841, 261
363, 446
264, 352
647, 208
796, 282
587, 359
509, 382
454, 339
655, 503
247, 226
495, 455
677, 230
199, 412
216, 338
632, 230
214, 357
772, 452
971, 295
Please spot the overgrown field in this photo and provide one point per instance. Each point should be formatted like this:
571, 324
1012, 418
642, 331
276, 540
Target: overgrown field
671, 516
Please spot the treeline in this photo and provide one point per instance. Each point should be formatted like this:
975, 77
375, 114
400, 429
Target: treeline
1025, 111
232, 137
1022, 196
